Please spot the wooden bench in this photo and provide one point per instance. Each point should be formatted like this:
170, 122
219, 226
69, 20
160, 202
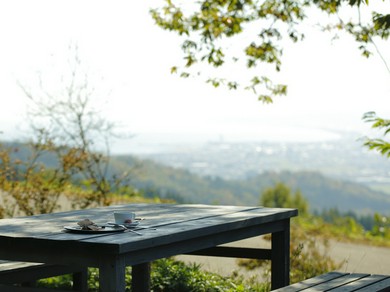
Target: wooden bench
26, 274
337, 282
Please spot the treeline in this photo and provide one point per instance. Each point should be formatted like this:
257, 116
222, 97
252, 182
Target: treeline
376, 224
322, 193
128, 174
329, 223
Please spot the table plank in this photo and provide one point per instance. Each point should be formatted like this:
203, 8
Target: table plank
180, 229
190, 221
41, 227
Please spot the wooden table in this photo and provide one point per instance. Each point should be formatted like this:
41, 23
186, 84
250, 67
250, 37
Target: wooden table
196, 229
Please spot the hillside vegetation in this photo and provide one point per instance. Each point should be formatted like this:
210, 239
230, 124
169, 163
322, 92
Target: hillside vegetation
322, 192
156, 180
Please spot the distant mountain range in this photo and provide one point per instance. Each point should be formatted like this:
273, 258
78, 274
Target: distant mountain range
321, 191
240, 177
338, 173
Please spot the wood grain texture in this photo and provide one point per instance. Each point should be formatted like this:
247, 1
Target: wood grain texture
341, 282
26, 272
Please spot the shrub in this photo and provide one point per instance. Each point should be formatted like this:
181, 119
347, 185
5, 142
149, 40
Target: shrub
170, 275
309, 256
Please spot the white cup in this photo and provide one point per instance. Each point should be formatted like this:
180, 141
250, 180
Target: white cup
124, 217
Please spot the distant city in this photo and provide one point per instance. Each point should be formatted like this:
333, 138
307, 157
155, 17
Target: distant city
345, 158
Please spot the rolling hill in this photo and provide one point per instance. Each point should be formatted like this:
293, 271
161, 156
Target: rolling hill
321, 191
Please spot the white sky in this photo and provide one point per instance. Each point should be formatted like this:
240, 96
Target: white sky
330, 84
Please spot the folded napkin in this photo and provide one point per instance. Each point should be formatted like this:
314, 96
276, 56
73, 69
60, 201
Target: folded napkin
87, 224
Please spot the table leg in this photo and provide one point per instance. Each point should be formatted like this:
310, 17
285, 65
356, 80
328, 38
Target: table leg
112, 275
80, 280
141, 277
280, 257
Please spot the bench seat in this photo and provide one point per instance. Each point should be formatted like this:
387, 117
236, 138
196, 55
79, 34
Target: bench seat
26, 274
338, 281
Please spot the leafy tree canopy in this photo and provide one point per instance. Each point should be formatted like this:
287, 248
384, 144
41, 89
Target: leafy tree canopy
248, 34
378, 144
280, 197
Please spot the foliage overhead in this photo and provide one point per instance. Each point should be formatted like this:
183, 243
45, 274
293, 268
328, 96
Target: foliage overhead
259, 32
210, 27
378, 144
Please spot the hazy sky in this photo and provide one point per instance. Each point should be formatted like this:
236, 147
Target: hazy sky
330, 84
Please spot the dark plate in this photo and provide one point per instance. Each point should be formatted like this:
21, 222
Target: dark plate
106, 229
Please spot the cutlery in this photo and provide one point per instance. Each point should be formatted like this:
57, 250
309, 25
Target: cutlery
145, 227
133, 231
123, 226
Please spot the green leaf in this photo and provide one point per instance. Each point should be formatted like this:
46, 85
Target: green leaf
265, 98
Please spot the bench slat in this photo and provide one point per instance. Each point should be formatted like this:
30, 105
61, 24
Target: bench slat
383, 285
5, 288
334, 283
17, 271
311, 282
361, 283
341, 282
13, 272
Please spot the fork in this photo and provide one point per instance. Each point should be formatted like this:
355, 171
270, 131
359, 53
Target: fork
123, 226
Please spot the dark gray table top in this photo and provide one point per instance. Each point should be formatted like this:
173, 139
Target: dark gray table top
174, 223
